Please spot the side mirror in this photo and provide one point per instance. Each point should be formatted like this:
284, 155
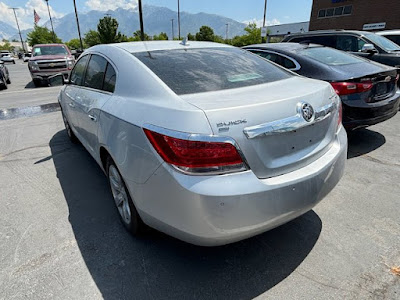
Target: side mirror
369, 48
56, 80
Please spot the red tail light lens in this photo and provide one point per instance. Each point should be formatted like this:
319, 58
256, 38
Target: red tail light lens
348, 88
196, 156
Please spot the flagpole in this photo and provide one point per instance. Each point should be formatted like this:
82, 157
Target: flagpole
77, 23
20, 36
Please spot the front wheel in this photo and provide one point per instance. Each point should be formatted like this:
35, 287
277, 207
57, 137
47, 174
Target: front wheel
36, 82
14, 62
70, 133
123, 201
4, 85
8, 81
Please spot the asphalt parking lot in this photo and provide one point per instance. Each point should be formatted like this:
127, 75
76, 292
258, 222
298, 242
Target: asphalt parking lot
60, 237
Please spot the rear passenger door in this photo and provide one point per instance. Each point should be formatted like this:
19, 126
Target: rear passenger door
97, 89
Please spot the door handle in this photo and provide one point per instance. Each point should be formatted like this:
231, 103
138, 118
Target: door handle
93, 118
71, 104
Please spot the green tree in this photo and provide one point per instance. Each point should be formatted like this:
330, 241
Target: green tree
136, 36
108, 31
191, 37
6, 46
161, 37
41, 35
253, 36
74, 44
205, 34
92, 38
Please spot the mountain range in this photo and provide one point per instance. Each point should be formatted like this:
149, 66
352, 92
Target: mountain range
156, 19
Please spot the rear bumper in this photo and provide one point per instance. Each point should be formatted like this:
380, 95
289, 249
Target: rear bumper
217, 210
367, 114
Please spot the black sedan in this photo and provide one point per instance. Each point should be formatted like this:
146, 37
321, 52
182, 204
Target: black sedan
368, 89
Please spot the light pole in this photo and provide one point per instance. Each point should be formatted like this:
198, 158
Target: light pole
172, 24
265, 13
179, 22
227, 26
19, 31
141, 21
77, 23
51, 21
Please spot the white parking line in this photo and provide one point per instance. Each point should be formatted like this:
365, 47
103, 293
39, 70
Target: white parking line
30, 91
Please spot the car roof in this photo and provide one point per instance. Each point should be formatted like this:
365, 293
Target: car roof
133, 47
389, 32
288, 47
44, 45
337, 31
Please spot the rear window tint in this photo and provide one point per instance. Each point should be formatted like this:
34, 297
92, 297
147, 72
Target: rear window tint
190, 71
330, 56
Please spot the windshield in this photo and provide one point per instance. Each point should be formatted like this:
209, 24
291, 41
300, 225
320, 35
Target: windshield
329, 56
382, 42
50, 50
190, 71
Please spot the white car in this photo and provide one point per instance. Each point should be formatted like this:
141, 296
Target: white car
7, 57
27, 56
206, 142
393, 35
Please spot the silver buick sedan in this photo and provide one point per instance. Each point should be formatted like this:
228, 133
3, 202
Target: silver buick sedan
206, 142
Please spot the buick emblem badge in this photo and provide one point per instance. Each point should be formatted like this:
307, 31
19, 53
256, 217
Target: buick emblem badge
307, 111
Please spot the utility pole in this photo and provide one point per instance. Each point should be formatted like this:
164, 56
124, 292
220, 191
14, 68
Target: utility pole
79, 29
51, 21
227, 26
19, 31
172, 23
265, 13
179, 22
141, 21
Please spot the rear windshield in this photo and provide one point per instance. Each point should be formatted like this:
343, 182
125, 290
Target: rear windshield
329, 56
49, 50
190, 71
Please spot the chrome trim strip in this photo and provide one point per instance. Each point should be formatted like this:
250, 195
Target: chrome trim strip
289, 124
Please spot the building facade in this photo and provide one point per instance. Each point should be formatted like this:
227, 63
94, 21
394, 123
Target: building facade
369, 15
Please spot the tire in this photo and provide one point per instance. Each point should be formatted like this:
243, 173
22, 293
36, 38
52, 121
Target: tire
14, 62
8, 80
123, 201
70, 133
37, 82
4, 85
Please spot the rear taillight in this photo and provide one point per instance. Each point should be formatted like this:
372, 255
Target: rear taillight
348, 88
197, 157
340, 115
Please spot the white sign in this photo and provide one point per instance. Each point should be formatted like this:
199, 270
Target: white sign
374, 26
263, 31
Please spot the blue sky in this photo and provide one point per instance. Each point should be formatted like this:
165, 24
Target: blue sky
278, 11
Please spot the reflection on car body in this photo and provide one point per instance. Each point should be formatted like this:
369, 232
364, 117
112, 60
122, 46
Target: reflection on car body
150, 113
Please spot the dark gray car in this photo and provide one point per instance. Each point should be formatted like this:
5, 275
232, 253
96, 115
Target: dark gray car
368, 90
362, 43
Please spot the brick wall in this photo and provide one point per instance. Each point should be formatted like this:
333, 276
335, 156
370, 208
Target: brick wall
364, 12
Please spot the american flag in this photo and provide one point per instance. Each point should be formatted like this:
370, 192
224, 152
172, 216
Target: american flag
36, 17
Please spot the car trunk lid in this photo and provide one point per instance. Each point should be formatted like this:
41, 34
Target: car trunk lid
274, 107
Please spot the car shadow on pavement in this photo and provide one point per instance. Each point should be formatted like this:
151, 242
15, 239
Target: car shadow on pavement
363, 141
161, 267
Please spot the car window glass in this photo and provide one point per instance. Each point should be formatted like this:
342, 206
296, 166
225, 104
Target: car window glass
325, 40
348, 43
330, 56
270, 56
95, 72
79, 70
382, 42
109, 79
394, 38
188, 71
287, 63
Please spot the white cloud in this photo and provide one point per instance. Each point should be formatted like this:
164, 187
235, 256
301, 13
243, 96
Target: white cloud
260, 22
104, 5
25, 13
